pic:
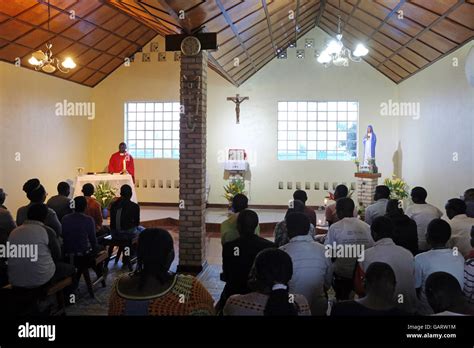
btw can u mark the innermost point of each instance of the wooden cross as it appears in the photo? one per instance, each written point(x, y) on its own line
point(237, 100)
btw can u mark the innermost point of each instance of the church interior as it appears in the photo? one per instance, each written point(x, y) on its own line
point(194, 121)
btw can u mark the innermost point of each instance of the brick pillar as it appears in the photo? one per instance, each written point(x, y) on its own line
point(366, 183)
point(192, 163)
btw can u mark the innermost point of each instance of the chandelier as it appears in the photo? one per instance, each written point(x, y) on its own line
point(336, 54)
point(44, 60)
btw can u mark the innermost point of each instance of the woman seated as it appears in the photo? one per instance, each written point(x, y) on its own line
point(152, 289)
point(269, 278)
point(380, 299)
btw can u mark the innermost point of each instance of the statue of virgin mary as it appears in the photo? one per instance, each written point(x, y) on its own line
point(370, 140)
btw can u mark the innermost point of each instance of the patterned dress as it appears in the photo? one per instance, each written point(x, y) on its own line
point(185, 296)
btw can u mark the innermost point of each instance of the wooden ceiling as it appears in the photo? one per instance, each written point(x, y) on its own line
point(403, 36)
point(99, 38)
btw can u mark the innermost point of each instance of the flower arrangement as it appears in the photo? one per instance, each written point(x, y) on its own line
point(398, 187)
point(234, 187)
point(104, 194)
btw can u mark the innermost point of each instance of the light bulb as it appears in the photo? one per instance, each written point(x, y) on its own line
point(324, 58)
point(34, 61)
point(68, 63)
point(334, 47)
point(360, 50)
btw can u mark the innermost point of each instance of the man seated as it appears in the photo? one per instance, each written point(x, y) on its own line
point(281, 232)
point(422, 213)
point(93, 207)
point(312, 270)
point(381, 196)
point(301, 195)
point(61, 203)
point(445, 296)
point(37, 194)
point(399, 259)
point(7, 224)
point(469, 273)
point(44, 267)
point(404, 229)
point(469, 200)
point(238, 256)
point(80, 242)
point(331, 216)
point(229, 231)
point(460, 224)
point(352, 232)
point(79, 230)
point(125, 215)
point(379, 300)
point(439, 259)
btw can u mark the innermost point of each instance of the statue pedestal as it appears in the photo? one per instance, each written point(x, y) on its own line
point(366, 183)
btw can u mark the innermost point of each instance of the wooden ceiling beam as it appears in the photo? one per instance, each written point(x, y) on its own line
point(386, 19)
point(269, 24)
point(235, 31)
point(322, 7)
point(439, 19)
point(354, 8)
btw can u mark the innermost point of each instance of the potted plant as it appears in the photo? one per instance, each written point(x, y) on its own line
point(234, 187)
point(105, 194)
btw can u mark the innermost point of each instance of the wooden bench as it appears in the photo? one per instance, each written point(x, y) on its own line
point(100, 260)
point(54, 289)
point(121, 244)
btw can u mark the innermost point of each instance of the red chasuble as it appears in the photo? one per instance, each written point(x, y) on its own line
point(119, 160)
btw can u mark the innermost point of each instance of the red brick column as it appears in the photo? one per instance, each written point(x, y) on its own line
point(192, 163)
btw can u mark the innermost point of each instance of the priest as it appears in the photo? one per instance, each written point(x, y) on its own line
point(122, 162)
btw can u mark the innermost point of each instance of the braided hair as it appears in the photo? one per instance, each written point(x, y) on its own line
point(273, 270)
point(154, 255)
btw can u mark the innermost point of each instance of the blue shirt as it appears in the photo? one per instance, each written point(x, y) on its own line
point(78, 233)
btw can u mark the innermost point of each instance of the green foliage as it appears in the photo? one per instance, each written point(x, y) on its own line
point(234, 187)
point(398, 187)
point(104, 194)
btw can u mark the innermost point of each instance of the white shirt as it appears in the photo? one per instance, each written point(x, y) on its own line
point(423, 214)
point(352, 231)
point(403, 264)
point(375, 210)
point(25, 272)
point(461, 233)
point(312, 270)
point(436, 260)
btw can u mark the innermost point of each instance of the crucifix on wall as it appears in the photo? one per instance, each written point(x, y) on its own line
point(237, 100)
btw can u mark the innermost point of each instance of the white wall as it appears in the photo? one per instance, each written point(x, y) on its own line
point(34, 142)
point(291, 79)
point(438, 148)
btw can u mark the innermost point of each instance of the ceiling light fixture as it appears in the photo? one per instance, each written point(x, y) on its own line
point(336, 54)
point(44, 60)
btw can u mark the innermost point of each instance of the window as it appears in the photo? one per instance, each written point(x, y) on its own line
point(152, 129)
point(310, 130)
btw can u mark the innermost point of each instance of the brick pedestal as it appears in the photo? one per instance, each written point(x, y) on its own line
point(366, 183)
point(192, 163)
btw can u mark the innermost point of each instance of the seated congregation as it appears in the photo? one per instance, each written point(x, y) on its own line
point(393, 262)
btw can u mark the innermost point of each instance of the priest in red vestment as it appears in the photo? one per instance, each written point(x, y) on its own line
point(122, 162)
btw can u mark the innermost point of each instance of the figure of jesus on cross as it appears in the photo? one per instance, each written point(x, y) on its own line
point(237, 100)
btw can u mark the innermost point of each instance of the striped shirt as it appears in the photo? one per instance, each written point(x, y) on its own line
point(469, 278)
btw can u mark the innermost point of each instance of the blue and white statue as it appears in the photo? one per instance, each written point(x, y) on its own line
point(370, 140)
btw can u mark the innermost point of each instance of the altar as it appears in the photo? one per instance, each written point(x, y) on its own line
point(115, 180)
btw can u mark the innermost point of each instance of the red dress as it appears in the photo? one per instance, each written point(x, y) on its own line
point(116, 163)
